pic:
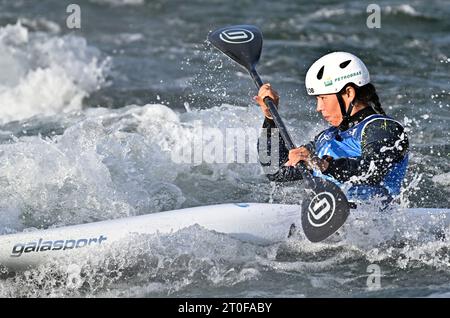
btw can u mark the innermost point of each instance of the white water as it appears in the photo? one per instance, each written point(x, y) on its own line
point(45, 74)
point(110, 164)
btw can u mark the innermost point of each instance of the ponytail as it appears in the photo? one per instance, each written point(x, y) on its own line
point(367, 94)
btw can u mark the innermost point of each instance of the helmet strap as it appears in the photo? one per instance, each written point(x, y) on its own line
point(345, 113)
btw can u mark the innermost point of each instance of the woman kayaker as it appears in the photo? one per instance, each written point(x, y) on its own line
point(363, 149)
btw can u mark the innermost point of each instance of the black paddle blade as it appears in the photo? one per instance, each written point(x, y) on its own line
point(242, 43)
point(324, 210)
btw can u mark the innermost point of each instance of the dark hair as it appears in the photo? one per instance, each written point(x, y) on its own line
point(367, 94)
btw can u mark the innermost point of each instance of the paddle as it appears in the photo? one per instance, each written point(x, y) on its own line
point(325, 208)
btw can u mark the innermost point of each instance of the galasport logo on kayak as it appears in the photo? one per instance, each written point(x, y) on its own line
point(237, 36)
point(50, 245)
point(321, 209)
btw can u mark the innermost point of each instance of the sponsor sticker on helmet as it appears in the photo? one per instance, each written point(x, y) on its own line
point(340, 78)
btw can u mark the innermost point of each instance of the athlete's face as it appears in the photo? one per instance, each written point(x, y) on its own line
point(328, 106)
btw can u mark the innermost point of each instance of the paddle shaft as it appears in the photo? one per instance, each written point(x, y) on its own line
point(280, 124)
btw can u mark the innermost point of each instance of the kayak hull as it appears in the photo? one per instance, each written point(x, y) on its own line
point(258, 223)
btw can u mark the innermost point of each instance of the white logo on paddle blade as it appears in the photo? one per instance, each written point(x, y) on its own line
point(321, 209)
point(236, 36)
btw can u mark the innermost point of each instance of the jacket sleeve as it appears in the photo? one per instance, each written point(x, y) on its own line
point(383, 143)
point(273, 154)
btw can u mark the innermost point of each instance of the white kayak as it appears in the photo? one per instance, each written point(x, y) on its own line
point(259, 223)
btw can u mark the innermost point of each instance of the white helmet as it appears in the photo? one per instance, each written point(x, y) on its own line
point(330, 73)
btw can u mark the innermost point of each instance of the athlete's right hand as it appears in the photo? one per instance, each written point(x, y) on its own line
point(266, 91)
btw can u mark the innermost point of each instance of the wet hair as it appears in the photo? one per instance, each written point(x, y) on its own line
point(366, 94)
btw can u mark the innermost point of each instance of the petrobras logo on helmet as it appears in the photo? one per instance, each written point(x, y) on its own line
point(237, 36)
point(321, 209)
point(344, 77)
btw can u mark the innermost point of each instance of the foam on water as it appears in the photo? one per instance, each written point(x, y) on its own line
point(442, 179)
point(45, 74)
point(110, 164)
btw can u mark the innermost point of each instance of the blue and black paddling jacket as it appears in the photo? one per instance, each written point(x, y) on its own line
point(368, 159)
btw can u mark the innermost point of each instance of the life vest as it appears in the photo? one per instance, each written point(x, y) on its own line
point(349, 146)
